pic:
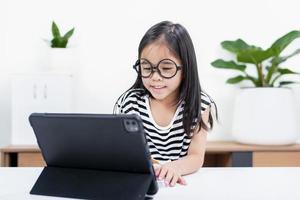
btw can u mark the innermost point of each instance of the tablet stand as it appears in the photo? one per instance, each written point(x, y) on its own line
point(91, 184)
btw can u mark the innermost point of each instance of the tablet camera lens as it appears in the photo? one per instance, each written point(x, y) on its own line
point(131, 125)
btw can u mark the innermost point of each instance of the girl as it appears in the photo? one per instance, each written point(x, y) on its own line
point(176, 113)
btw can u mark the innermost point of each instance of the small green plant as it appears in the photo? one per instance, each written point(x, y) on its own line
point(59, 41)
point(267, 62)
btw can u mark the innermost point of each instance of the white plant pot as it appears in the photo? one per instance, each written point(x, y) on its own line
point(265, 116)
point(63, 59)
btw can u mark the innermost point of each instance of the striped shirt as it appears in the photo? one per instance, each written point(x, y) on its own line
point(165, 143)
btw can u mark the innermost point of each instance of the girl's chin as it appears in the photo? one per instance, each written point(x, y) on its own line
point(160, 96)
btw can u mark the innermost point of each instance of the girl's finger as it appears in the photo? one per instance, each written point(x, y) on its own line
point(181, 181)
point(174, 180)
point(170, 174)
point(157, 171)
point(162, 173)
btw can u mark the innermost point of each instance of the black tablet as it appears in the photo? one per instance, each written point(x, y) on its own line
point(93, 156)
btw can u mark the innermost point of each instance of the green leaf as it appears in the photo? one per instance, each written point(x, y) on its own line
point(254, 55)
point(286, 71)
point(54, 42)
point(271, 71)
point(235, 80)
point(228, 65)
point(282, 72)
point(282, 83)
point(69, 34)
point(55, 30)
point(236, 46)
point(279, 45)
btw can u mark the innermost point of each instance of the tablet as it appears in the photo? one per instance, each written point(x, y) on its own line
point(105, 154)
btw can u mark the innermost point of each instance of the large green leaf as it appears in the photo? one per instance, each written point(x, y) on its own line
point(254, 55)
point(69, 34)
point(236, 46)
point(279, 45)
point(55, 30)
point(219, 63)
point(275, 64)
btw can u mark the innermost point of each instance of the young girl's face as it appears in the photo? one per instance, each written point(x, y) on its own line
point(159, 87)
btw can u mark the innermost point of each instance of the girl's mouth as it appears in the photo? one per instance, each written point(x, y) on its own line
point(157, 88)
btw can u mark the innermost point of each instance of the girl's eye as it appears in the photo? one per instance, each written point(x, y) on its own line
point(146, 68)
point(166, 68)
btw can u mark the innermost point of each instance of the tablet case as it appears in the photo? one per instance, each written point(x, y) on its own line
point(93, 156)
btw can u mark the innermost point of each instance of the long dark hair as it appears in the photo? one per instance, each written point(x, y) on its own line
point(179, 42)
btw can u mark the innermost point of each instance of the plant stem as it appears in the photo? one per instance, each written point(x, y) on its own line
point(260, 74)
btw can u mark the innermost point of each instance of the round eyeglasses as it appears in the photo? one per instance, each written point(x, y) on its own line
point(166, 68)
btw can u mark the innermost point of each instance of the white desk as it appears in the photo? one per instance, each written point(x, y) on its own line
point(207, 184)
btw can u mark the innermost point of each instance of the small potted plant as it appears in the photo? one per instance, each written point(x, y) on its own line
point(62, 55)
point(264, 113)
point(59, 41)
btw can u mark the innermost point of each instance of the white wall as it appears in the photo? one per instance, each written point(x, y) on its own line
point(4, 81)
point(108, 33)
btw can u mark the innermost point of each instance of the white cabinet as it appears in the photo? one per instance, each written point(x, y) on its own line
point(46, 92)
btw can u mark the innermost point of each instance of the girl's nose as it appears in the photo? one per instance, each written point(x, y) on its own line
point(156, 76)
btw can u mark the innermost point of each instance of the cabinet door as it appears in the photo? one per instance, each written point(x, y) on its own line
point(56, 94)
point(37, 93)
point(24, 102)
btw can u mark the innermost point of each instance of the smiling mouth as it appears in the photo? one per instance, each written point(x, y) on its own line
point(158, 87)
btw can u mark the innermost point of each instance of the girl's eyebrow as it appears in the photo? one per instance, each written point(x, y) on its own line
point(166, 59)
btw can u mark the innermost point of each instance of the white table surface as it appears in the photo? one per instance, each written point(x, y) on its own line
point(206, 184)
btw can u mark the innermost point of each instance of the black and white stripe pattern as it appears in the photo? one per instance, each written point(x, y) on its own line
point(165, 143)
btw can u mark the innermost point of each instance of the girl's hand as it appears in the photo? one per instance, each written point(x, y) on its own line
point(170, 174)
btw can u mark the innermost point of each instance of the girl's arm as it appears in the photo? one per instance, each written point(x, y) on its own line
point(172, 172)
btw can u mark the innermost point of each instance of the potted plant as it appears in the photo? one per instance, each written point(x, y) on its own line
point(264, 113)
point(61, 54)
point(59, 41)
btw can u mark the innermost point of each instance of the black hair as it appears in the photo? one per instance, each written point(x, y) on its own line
point(179, 42)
